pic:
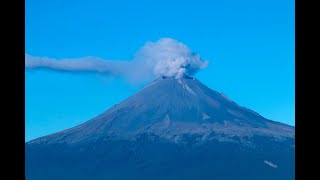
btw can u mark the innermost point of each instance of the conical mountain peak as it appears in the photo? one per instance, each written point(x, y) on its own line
point(170, 123)
point(169, 107)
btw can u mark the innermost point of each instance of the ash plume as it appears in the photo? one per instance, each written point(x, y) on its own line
point(165, 57)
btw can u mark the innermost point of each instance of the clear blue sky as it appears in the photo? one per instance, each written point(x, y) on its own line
point(249, 43)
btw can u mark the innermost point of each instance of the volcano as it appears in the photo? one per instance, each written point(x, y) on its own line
point(172, 129)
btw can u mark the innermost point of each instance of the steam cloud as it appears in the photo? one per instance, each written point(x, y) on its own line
point(166, 57)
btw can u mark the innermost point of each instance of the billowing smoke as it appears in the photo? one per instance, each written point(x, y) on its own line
point(166, 57)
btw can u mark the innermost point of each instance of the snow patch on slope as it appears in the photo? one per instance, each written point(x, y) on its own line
point(167, 120)
point(205, 116)
point(270, 164)
point(185, 86)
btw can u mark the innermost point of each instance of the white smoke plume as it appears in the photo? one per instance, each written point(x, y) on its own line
point(166, 57)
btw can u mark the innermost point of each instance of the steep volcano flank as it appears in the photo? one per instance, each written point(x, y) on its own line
point(170, 107)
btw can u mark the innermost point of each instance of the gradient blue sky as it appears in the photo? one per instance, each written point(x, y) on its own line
point(249, 43)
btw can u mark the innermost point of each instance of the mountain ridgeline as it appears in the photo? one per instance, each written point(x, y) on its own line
point(172, 129)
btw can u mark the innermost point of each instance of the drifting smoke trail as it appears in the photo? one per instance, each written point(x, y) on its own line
point(166, 57)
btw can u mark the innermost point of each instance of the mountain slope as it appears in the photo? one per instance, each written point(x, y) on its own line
point(176, 125)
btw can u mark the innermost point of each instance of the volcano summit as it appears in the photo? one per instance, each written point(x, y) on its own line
point(172, 129)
